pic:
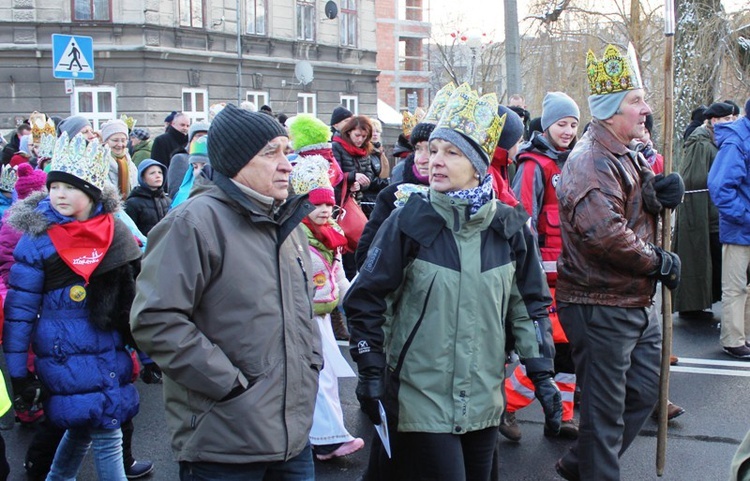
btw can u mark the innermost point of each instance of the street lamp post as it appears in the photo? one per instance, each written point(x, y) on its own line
point(474, 41)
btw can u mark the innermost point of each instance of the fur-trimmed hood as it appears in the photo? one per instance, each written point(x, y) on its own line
point(34, 214)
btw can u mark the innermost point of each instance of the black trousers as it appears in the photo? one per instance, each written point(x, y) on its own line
point(434, 457)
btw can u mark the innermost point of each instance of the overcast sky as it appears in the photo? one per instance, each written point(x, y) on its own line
point(484, 16)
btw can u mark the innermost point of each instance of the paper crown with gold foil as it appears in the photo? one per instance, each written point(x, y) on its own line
point(474, 116)
point(615, 72)
point(438, 104)
point(310, 176)
point(129, 121)
point(79, 158)
point(8, 178)
point(40, 125)
point(47, 146)
point(408, 121)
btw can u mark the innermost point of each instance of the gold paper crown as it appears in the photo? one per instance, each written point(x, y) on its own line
point(129, 121)
point(438, 104)
point(310, 173)
point(40, 125)
point(8, 178)
point(475, 117)
point(87, 161)
point(47, 146)
point(614, 73)
point(408, 121)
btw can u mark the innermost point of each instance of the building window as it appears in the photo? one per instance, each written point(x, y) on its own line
point(305, 20)
point(97, 104)
point(349, 23)
point(92, 10)
point(411, 10)
point(351, 102)
point(195, 104)
point(410, 54)
point(259, 99)
point(191, 13)
point(256, 17)
point(307, 104)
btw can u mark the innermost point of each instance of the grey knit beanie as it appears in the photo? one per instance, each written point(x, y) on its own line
point(471, 150)
point(604, 106)
point(72, 125)
point(512, 130)
point(197, 127)
point(237, 135)
point(112, 127)
point(556, 106)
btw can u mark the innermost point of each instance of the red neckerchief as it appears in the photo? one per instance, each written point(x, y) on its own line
point(499, 171)
point(335, 175)
point(82, 245)
point(350, 148)
point(327, 234)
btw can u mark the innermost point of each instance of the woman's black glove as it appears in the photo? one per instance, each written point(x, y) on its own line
point(370, 390)
point(548, 394)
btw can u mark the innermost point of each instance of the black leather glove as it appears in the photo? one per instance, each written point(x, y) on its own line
point(548, 394)
point(27, 392)
point(669, 190)
point(370, 389)
point(669, 269)
point(151, 374)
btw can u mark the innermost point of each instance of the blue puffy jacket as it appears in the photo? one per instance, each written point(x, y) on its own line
point(85, 369)
point(729, 181)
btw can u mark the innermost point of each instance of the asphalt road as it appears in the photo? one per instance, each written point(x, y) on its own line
point(712, 387)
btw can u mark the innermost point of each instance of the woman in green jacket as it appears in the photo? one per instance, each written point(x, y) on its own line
point(429, 309)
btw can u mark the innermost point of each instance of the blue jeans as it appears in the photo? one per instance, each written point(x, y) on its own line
point(107, 444)
point(299, 468)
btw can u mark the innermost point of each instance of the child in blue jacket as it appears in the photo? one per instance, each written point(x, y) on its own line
point(69, 295)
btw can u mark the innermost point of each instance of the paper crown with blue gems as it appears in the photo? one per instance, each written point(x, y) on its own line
point(86, 161)
point(47, 146)
point(8, 178)
point(614, 73)
point(473, 116)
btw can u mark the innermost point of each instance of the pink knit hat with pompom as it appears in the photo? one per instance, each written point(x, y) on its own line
point(29, 180)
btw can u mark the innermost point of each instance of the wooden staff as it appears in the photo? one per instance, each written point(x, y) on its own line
point(661, 437)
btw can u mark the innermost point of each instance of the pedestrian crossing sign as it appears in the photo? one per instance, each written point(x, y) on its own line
point(72, 57)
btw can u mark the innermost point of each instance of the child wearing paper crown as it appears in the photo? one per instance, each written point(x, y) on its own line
point(69, 295)
point(329, 437)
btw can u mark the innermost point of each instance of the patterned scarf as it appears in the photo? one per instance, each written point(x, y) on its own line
point(478, 196)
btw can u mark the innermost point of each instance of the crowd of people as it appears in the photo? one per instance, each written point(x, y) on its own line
point(492, 236)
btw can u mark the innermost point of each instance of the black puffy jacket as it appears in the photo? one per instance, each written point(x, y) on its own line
point(147, 207)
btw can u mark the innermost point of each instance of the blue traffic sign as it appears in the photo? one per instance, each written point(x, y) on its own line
point(72, 57)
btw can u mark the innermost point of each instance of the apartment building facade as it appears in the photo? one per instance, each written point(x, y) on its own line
point(155, 56)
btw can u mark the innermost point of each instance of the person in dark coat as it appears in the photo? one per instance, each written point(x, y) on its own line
point(180, 163)
point(147, 203)
point(415, 179)
point(696, 231)
point(175, 137)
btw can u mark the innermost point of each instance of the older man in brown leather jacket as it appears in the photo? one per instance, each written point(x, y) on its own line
point(609, 207)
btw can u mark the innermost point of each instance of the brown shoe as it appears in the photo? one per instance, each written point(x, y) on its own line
point(509, 427)
point(673, 360)
point(673, 411)
point(340, 332)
